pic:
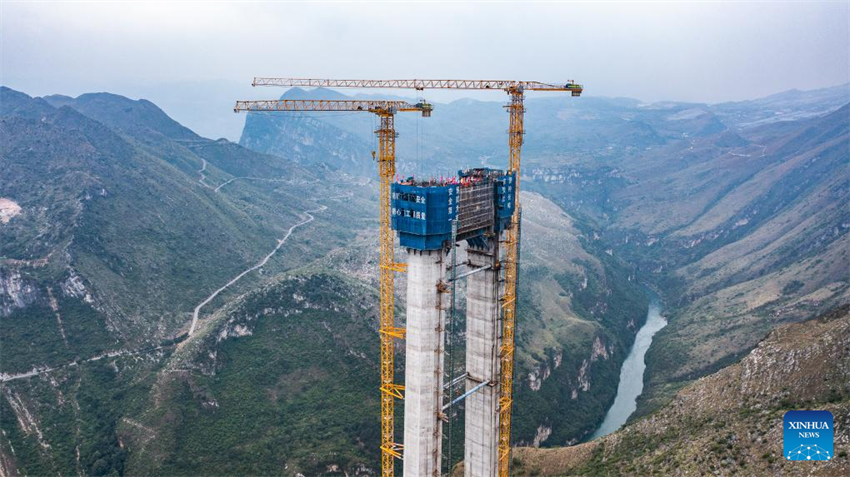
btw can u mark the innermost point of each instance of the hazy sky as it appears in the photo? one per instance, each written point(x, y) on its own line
point(692, 51)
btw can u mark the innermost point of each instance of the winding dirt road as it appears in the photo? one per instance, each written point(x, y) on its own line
point(108, 354)
point(259, 264)
point(249, 179)
point(36, 371)
point(203, 176)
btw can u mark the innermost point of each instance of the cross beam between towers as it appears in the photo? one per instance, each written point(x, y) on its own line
point(467, 394)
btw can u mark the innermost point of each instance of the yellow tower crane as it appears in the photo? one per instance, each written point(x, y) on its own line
point(516, 90)
point(388, 330)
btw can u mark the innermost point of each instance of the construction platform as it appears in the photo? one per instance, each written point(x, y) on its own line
point(481, 200)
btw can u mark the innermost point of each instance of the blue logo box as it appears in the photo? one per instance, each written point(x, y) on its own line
point(807, 435)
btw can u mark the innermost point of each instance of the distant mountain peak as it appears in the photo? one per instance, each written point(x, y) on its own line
point(123, 113)
point(317, 93)
point(16, 103)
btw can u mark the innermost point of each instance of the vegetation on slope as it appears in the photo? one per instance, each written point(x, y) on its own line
point(121, 234)
point(286, 384)
point(115, 216)
point(730, 422)
point(580, 311)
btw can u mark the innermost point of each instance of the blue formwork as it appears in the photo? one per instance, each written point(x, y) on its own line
point(423, 215)
point(505, 188)
point(481, 200)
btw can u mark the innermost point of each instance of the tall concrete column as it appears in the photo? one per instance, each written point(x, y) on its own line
point(482, 364)
point(423, 378)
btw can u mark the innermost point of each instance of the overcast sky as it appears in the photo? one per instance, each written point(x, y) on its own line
point(706, 52)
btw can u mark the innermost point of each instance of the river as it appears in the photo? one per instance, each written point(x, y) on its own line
point(631, 374)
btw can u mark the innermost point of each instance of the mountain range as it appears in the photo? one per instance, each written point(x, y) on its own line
point(179, 305)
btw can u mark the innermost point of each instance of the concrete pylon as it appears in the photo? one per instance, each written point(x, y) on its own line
point(423, 378)
point(482, 363)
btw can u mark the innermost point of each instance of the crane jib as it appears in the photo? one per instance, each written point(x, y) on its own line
point(308, 105)
point(421, 84)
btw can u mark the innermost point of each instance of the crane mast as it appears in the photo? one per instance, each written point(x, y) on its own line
point(516, 110)
point(516, 91)
point(385, 110)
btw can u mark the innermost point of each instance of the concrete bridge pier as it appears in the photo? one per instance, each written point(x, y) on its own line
point(423, 378)
point(482, 363)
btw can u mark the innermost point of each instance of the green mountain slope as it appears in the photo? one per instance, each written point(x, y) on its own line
point(580, 312)
point(121, 207)
point(121, 235)
point(286, 383)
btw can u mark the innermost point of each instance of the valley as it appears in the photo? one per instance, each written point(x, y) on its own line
point(632, 373)
point(179, 305)
point(729, 422)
